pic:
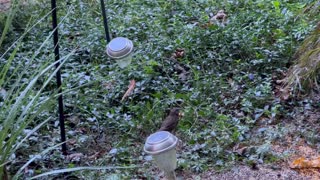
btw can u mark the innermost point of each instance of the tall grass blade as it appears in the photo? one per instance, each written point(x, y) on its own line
point(59, 171)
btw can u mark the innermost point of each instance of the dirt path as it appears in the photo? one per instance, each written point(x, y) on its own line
point(4, 5)
point(261, 173)
point(241, 172)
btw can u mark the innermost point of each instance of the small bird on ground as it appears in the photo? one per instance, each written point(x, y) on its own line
point(171, 121)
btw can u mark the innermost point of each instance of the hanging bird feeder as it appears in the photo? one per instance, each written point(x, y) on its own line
point(120, 49)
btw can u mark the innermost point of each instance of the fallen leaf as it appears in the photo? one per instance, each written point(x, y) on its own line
point(131, 87)
point(220, 18)
point(240, 149)
point(97, 155)
point(72, 141)
point(305, 163)
point(285, 94)
point(179, 53)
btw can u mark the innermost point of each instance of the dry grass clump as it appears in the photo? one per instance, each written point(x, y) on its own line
point(303, 76)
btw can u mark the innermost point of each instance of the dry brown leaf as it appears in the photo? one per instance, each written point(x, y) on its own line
point(179, 53)
point(131, 87)
point(305, 163)
point(240, 149)
point(72, 141)
point(97, 155)
point(219, 19)
point(285, 94)
point(221, 15)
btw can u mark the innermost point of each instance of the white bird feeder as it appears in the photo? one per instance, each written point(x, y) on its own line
point(120, 49)
point(161, 145)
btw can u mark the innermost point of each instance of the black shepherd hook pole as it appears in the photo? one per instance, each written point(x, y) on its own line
point(58, 75)
point(105, 21)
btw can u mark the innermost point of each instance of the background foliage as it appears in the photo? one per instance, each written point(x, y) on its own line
point(226, 92)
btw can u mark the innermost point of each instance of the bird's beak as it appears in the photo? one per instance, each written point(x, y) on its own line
point(181, 114)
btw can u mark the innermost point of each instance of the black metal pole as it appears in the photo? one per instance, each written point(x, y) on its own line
point(58, 75)
point(105, 21)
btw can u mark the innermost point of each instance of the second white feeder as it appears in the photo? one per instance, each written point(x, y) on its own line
point(120, 49)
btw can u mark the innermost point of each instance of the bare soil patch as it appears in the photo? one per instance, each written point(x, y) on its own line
point(4, 5)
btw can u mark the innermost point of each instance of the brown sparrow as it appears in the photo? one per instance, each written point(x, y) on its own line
point(171, 121)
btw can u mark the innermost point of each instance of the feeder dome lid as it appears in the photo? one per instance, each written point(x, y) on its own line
point(119, 48)
point(159, 142)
